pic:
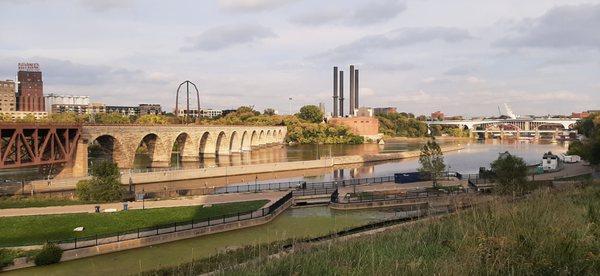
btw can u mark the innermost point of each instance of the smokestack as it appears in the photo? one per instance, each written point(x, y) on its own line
point(341, 93)
point(335, 91)
point(351, 73)
point(356, 89)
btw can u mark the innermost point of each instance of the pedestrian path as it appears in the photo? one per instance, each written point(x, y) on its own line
point(272, 196)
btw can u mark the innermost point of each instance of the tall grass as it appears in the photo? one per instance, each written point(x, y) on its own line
point(548, 233)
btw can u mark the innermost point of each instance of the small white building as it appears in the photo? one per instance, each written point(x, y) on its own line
point(551, 162)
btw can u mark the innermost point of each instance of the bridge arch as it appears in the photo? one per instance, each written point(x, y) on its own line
point(185, 145)
point(268, 137)
point(108, 147)
point(157, 148)
point(235, 143)
point(246, 141)
point(254, 139)
point(207, 145)
point(222, 145)
point(261, 138)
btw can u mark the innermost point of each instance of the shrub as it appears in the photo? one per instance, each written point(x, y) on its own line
point(6, 257)
point(50, 254)
point(105, 185)
point(83, 190)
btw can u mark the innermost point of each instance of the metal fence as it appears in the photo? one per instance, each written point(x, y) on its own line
point(94, 240)
point(279, 186)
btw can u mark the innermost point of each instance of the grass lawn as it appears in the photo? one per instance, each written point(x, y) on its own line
point(28, 230)
point(548, 233)
point(28, 202)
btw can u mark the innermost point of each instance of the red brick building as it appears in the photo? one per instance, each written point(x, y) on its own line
point(437, 116)
point(364, 126)
point(30, 94)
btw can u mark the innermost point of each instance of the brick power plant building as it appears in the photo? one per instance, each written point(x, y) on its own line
point(358, 122)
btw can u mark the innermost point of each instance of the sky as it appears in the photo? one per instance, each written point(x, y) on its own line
point(462, 57)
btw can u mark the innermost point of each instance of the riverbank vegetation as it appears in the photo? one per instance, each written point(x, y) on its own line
point(28, 230)
point(306, 127)
point(401, 124)
point(547, 233)
point(589, 148)
point(105, 185)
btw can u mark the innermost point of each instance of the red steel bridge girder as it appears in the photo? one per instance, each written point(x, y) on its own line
point(24, 145)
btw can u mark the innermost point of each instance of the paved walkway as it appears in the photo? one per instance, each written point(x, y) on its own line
point(574, 169)
point(272, 196)
point(391, 186)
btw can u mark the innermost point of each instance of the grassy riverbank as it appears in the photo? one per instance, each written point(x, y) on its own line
point(548, 233)
point(28, 230)
point(30, 202)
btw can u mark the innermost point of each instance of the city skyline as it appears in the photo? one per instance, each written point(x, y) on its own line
point(418, 56)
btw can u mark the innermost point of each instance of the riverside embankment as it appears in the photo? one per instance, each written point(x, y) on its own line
point(199, 173)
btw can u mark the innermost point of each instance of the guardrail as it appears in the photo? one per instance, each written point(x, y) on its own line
point(94, 240)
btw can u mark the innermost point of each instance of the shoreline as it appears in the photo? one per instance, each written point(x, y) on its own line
point(69, 184)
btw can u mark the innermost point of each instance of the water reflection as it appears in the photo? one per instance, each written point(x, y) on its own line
point(468, 160)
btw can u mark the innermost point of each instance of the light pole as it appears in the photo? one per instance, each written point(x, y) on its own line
point(290, 105)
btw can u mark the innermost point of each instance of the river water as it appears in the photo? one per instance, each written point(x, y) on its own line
point(475, 154)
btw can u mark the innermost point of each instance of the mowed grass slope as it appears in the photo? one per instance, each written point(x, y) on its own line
point(27, 230)
point(549, 233)
point(30, 202)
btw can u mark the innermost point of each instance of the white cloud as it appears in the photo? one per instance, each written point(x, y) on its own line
point(222, 37)
point(370, 13)
point(252, 5)
point(560, 27)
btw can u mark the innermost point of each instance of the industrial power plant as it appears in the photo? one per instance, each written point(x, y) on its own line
point(338, 92)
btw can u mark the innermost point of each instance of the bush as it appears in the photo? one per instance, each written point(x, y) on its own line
point(105, 185)
point(82, 190)
point(50, 254)
point(6, 257)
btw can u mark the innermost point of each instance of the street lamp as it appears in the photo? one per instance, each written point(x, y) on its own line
point(290, 105)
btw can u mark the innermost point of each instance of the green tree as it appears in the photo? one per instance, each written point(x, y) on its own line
point(5, 118)
point(151, 119)
point(269, 112)
point(105, 185)
point(432, 161)
point(311, 113)
point(588, 149)
point(111, 118)
point(510, 174)
point(29, 118)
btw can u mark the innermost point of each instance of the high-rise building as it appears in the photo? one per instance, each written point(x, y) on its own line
point(8, 101)
point(30, 93)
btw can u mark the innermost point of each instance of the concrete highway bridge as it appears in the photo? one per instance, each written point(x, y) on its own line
point(20, 145)
point(513, 127)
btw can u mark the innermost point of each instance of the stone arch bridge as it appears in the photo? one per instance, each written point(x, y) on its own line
point(193, 142)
